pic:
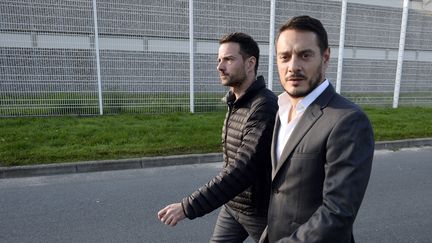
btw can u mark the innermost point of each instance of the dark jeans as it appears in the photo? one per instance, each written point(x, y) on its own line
point(232, 226)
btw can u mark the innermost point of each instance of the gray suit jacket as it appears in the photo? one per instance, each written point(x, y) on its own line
point(320, 180)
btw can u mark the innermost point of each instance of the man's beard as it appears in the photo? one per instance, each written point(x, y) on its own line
point(234, 80)
point(313, 84)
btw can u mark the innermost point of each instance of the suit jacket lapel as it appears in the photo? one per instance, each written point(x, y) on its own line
point(274, 143)
point(309, 117)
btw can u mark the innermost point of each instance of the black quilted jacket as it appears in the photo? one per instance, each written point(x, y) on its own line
point(244, 182)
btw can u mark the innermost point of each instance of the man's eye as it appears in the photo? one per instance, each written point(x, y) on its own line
point(306, 55)
point(283, 58)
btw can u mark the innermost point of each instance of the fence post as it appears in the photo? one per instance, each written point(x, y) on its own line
point(341, 46)
point(191, 57)
point(400, 54)
point(271, 44)
point(96, 42)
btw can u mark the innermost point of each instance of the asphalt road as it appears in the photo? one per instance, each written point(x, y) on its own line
point(121, 206)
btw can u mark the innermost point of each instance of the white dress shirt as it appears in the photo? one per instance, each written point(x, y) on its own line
point(286, 128)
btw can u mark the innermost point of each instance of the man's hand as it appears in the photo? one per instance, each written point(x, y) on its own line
point(171, 214)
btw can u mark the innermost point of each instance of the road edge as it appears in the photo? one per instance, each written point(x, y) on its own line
point(149, 162)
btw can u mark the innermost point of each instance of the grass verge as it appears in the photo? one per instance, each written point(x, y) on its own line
point(40, 140)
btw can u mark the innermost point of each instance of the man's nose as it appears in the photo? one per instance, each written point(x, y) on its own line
point(220, 66)
point(294, 64)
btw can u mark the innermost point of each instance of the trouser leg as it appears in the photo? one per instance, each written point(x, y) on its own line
point(254, 225)
point(227, 228)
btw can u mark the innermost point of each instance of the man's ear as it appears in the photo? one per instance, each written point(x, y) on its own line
point(251, 63)
point(326, 56)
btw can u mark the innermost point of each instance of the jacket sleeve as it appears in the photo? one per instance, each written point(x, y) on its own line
point(237, 176)
point(349, 154)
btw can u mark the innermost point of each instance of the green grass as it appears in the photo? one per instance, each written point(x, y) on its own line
point(400, 123)
point(61, 139)
point(40, 140)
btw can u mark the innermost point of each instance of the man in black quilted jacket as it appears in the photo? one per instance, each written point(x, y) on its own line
point(242, 187)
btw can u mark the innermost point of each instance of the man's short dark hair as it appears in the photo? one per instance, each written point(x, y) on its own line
point(248, 46)
point(307, 23)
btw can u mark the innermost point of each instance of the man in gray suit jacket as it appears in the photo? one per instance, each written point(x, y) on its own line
point(322, 146)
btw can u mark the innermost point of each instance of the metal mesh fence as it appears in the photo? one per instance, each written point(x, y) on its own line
point(47, 60)
point(49, 50)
